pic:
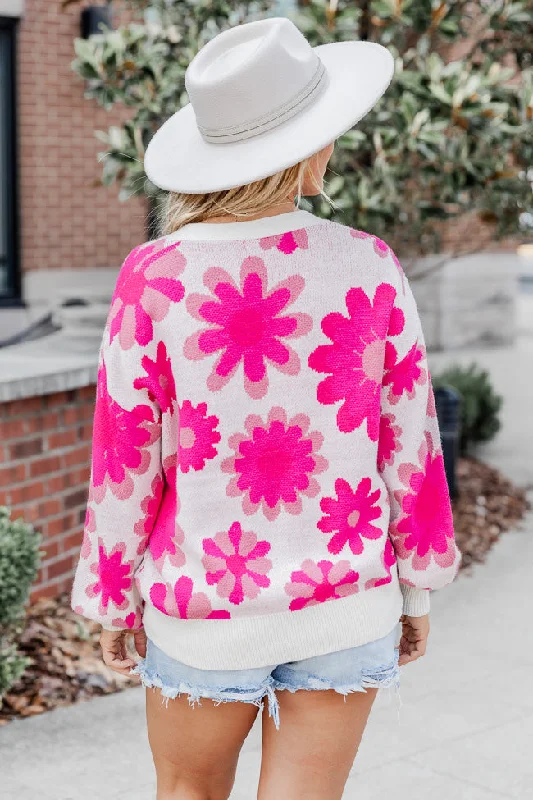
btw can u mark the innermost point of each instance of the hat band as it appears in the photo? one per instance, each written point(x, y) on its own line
point(237, 133)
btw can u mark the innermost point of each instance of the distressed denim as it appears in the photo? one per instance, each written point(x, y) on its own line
point(372, 665)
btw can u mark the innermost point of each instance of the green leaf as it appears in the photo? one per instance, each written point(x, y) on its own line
point(428, 150)
point(438, 91)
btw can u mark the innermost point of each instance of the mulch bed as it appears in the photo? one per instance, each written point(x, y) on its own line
point(66, 665)
point(488, 505)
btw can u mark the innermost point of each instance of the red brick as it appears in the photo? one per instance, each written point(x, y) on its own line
point(43, 466)
point(10, 476)
point(72, 415)
point(77, 456)
point(50, 548)
point(76, 498)
point(87, 392)
point(49, 508)
point(56, 125)
point(57, 483)
point(27, 512)
point(66, 584)
point(85, 433)
point(73, 540)
point(57, 399)
point(87, 413)
point(41, 576)
point(18, 408)
point(82, 474)
point(50, 590)
point(23, 494)
point(76, 476)
point(42, 422)
point(59, 568)
point(55, 527)
point(12, 429)
point(26, 448)
point(60, 439)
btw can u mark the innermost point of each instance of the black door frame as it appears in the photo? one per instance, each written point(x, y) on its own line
point(12, 295)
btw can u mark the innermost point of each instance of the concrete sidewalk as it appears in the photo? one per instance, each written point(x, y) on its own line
point(465, 730)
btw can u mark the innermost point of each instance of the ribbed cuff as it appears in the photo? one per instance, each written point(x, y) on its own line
point(415, 601)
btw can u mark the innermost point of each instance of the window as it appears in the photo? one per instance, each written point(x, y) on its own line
point(9, 264)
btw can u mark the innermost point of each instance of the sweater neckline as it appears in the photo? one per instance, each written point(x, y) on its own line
point(250, 229)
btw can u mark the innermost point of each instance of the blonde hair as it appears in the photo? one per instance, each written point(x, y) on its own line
point(243, 201)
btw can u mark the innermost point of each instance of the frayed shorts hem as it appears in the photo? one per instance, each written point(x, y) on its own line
point(382, 678)
point(245, 694)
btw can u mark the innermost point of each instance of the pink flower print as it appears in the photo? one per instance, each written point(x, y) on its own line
point(183, 602)
point(159, 380)
point(388, 559)
point(399, 268)
point(402, 376)
point(424, 529)
point(236, 562)
point(198, 437)
point(146, 287)
point(316, 583)
point(88, 528)
point(150, 508)
point(286, 242)
point(132, 622)
point(166, 536)
point(120, 443)
point(275, 463)
point(431, 410)
point(114, 577)
point(245, 323)
point(350, 516)
point(356, 356)
point(382, 249)
point(389, 441)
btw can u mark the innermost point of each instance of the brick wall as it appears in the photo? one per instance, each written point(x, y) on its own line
point(45, 446)
point(67, 219)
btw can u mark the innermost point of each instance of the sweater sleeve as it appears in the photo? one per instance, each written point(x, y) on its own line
point(126, 484)
point(411, 462)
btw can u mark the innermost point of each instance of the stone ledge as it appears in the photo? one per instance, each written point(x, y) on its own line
point(52, 364)
point(11, 8)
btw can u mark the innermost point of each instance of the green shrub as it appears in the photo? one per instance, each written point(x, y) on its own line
point(19, 561)
point(480, 405)
point(446, 140)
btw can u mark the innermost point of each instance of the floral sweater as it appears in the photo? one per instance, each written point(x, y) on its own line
point(267, 476)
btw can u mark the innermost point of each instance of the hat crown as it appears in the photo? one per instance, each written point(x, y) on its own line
point(249, 76)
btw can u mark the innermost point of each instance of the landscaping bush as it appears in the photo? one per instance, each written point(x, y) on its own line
point(19, 561)
point(449, 140)
point(480, 405)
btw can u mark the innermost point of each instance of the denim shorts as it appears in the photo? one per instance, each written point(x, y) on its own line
point(372, 665)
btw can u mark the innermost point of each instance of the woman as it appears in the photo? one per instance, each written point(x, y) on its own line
point(268, 496)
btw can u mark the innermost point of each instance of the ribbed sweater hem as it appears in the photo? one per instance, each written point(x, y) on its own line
point(272, 639)
point(416, 602)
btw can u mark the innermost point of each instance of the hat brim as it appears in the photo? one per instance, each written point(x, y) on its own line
point(178, 158)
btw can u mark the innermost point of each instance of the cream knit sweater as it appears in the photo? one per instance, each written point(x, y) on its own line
point(267, 480)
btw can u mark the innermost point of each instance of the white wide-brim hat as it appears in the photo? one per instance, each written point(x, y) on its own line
point(261, 100)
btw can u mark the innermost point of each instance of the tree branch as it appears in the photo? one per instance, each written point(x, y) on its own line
point(366, 20)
